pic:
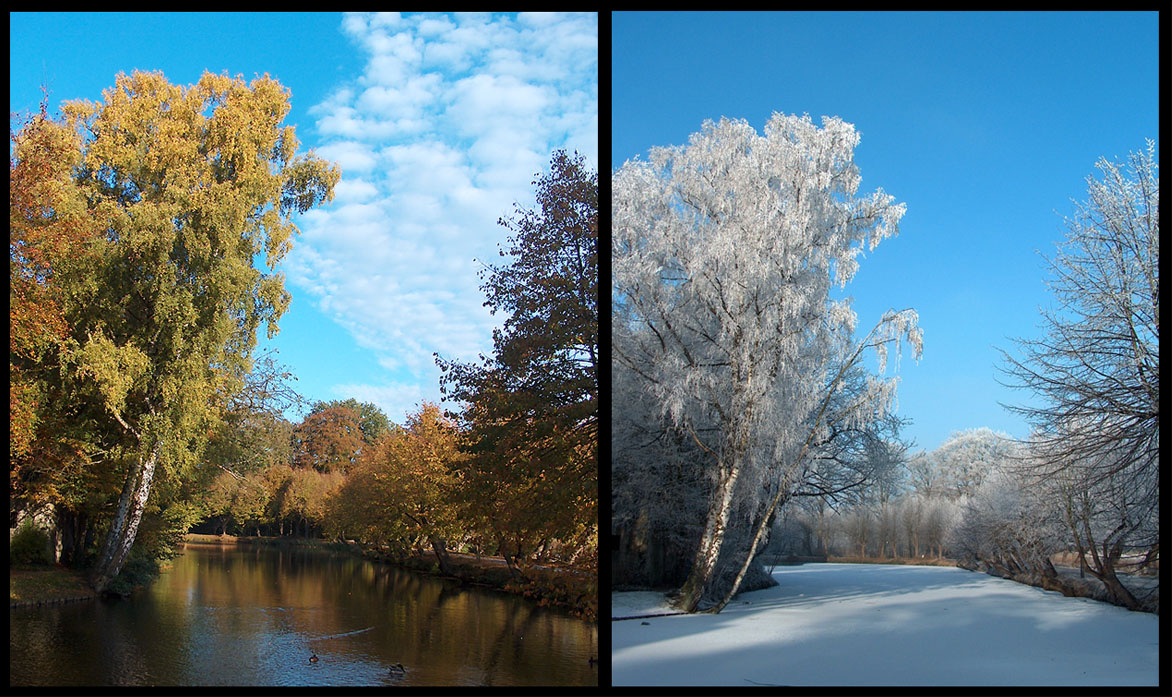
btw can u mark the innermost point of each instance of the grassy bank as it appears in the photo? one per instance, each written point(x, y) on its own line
point(40, 585)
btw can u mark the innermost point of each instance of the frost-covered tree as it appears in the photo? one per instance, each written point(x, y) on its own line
point(856, 459)
point(1114, 522)
point(1096, 373)
point(964, 459)
point(725, 252)
point(658, 489)
point(1006, 525)
point(911, 516)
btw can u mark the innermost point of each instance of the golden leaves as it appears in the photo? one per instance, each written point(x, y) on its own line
point(116, 369)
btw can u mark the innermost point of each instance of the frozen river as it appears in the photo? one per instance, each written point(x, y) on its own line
point(863, 624)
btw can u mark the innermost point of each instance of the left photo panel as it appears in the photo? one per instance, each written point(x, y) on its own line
point(304, 346)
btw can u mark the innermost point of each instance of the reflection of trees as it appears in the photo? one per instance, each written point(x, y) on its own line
point(39, 632)
point(235, 615)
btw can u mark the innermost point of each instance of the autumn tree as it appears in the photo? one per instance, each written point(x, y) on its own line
point(533, 426)
point(509, 493)
point(50, 232)
point(334, 434)
point(412, 475)
point(724, 255)
point(372, 421)
point(185, 185)
point(235, 499)
point(328, 440)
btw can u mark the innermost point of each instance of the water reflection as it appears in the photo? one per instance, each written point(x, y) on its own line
point(255, 615)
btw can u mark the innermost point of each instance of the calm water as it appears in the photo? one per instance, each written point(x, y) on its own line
point(254, 616)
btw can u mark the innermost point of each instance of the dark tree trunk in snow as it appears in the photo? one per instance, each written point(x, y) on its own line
point(1104, 570)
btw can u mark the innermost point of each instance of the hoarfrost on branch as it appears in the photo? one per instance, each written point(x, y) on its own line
point(724, 254)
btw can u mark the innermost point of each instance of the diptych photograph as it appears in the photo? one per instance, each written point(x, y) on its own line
point(329, 367)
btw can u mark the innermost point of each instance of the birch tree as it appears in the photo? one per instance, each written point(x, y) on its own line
point(186, 186)
point(725, 252)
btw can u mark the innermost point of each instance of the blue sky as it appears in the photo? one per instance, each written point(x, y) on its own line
point(986, 125)
point(439, 123)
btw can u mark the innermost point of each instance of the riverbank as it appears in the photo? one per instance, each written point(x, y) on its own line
point(46, 585)
point(568, 589)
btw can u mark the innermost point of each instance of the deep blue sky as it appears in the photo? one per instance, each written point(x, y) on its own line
point(439, 123)
point(986, 125)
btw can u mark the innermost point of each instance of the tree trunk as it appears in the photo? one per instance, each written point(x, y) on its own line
point(72, 527)
point(124, 527)
point(1105, 572)
point(708, 552)
point(779, 499)
point(439, 546)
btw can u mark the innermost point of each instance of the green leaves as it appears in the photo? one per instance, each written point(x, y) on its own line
point(175, 188)
point(116, 369)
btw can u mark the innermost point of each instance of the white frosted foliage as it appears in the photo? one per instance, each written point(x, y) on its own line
point(725, 251)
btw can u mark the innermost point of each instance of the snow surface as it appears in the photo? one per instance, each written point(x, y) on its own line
point(878, 624)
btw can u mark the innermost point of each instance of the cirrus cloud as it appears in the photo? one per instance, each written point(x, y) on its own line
point(438, 137)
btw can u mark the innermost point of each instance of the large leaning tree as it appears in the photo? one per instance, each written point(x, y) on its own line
point(725, 254)
point(1096, 372)
point(186, 186)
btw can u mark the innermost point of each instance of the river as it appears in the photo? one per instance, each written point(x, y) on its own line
point(255, 615)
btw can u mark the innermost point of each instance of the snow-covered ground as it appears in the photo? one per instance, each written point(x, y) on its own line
point(873, 624)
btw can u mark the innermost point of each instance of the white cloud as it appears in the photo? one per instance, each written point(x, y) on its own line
point(354, 189)
point(350, 156)
point(396, 399)
point(443, 131)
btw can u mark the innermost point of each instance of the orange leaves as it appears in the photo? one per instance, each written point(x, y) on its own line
point(328, 440)
point(47, 228)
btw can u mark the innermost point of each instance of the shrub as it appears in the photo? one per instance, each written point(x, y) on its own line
point(138, 571)
point(30, 545)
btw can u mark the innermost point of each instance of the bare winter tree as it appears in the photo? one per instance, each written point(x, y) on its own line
point(1097, 371)
point(724, 254)
point(1109, 517)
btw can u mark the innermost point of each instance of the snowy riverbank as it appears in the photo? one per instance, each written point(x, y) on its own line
point(853, 624)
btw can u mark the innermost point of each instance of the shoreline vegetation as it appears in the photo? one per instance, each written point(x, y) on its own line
point(566, 589)
point(1067, 581)
point(551, 586)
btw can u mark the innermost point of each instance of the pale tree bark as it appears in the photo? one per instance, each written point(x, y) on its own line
point(705, 561)
point(704, 564)
point(127, 517)
point(886, 331)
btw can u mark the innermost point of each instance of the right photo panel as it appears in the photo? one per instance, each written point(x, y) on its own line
point(885, 349)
